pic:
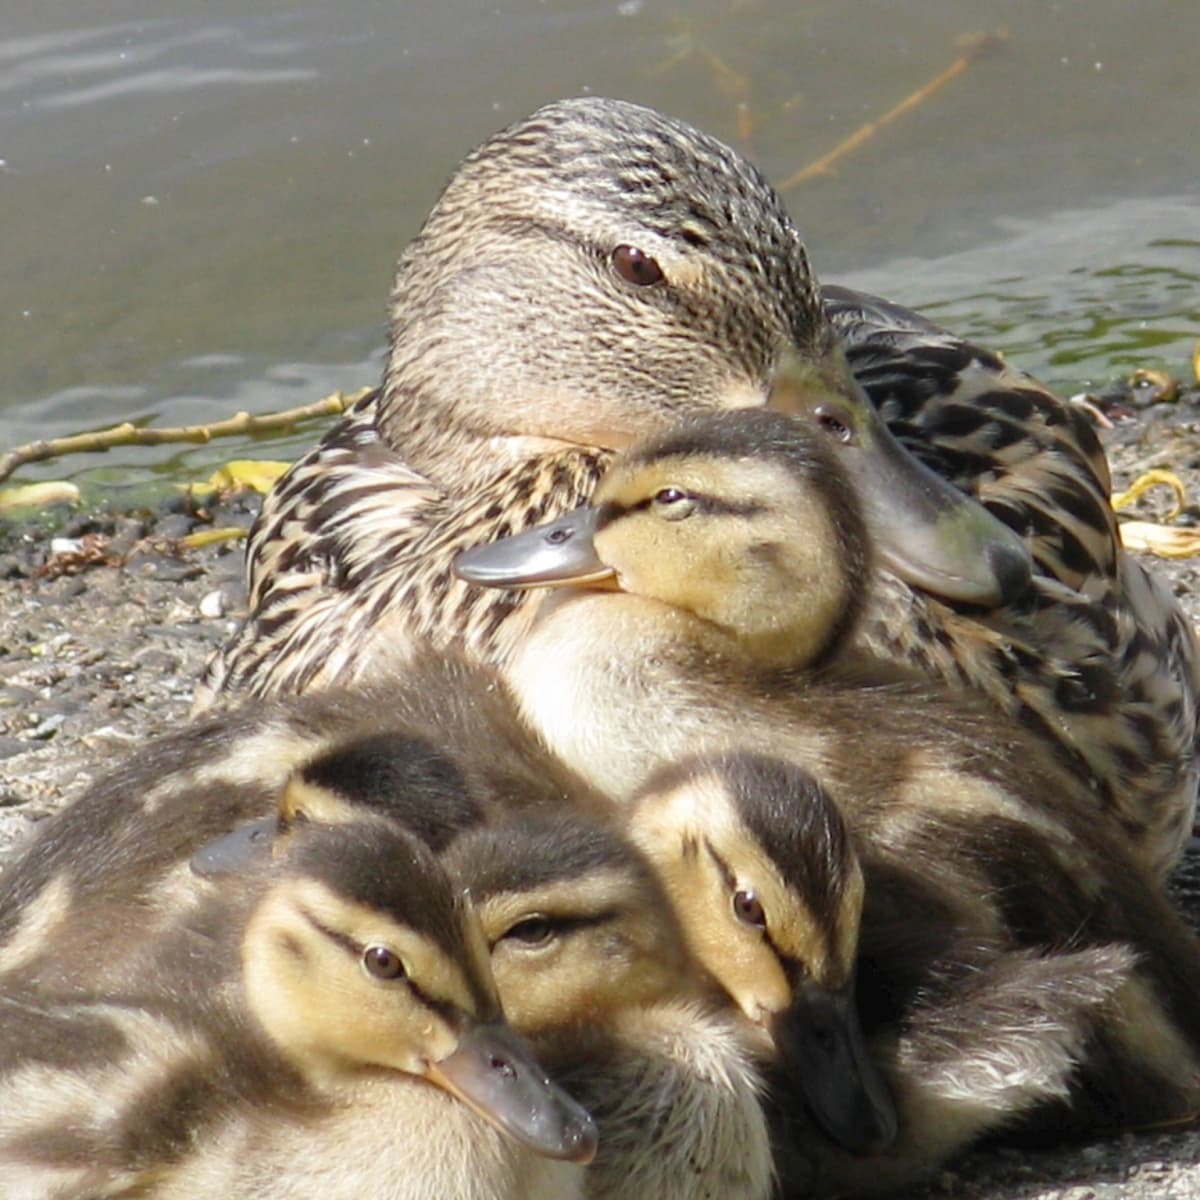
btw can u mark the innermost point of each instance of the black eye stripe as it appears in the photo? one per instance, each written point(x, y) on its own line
point(613, 510)
point(565, 926)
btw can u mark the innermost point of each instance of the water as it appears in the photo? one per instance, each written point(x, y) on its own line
point(202, 204)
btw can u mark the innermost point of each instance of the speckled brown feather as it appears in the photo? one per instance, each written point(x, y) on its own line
point(349, 561)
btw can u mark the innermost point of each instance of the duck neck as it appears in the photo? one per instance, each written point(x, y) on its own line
point(462, 460)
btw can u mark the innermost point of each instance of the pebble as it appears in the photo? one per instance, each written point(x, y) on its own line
point(49, 727)
point(213, 604)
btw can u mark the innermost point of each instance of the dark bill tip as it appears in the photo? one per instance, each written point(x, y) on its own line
point(494, 1073)
point(825, 1056)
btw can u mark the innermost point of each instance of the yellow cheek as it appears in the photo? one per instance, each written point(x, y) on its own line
point(749, 970)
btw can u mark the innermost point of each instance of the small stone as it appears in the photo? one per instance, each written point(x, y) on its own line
point(65, 545)
point(213, 605)
point(176, 525)
point(168, 570)
point(48, 728)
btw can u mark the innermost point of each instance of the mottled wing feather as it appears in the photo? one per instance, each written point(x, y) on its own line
point(1097, 656)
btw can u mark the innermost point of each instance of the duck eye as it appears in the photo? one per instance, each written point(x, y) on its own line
point(748, 909)
point(383, 963)
point(532, 932)
point(835, 425)
point(673, 503)
point(636, 266)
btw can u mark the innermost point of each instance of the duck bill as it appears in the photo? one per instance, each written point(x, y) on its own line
point(493, 1073)
point(925, 530)
point(246, 847)
point(825, 1056)
point(559, 553)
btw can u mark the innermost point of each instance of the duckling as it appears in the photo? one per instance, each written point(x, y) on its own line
point(436, 753)
point(707, 598)
point(620, 1005)
point(760, 869)
point(672, 281)
point(219, 1061)
point(972, 1037)
point(722, 536)
point(592, 969)
point(795, 988)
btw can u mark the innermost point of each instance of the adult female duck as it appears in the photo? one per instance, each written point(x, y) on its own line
point(597, 271)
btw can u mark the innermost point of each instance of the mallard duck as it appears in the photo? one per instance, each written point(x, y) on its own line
point(213, 1057)
point(667, 279)
point(1097, 657)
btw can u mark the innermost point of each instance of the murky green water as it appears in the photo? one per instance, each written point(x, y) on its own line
point(201, 208)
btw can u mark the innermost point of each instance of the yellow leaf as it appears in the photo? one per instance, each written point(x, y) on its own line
point(1166, 541)
point(1156, 478)
point(210, 537)
point(240, 474)
point(38, 494)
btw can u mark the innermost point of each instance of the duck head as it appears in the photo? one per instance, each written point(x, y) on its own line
point(760, 869)
point(598, 271)
point(744, 520)
point(579, 929)
point(363, 954)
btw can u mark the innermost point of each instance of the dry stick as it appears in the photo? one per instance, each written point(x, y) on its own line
point(128, 434)
point(824, 165)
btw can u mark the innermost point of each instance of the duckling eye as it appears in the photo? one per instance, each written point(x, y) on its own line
point(383, 963)
point(636, 266)
point(834, 425)
point(673, 504)
point(532, 932)
point(748, 909)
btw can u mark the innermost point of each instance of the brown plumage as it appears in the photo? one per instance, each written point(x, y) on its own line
point(981, 858)
point(521, 358)
point(205, 1051)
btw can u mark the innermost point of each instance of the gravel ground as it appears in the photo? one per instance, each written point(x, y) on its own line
point(102, 637)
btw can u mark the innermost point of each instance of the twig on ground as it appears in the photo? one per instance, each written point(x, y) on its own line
point(128, 434)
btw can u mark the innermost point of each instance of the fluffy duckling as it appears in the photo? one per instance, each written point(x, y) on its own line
point(762, 874)
point(671, 281)
point(221, 1062)
point(436, 752)
point(592, 969)
point(707, 597)
point(792, 978)
point(722, 534)
point(972, 1036)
